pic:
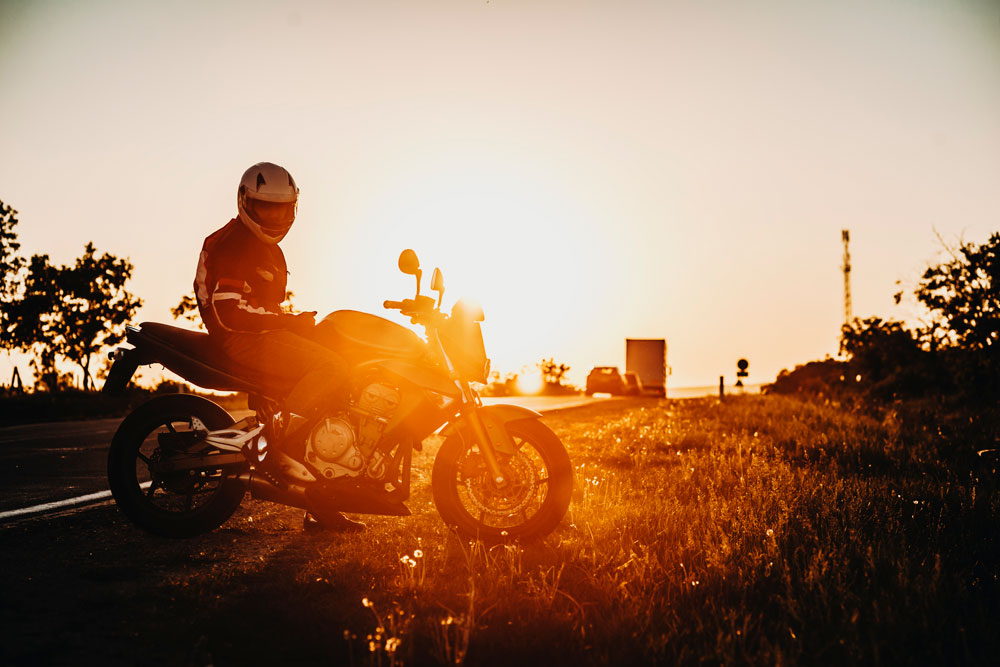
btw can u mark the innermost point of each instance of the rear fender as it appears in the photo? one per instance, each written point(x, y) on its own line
point(126, 361)
point(494, 417)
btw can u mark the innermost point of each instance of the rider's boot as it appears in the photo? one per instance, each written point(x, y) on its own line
point(278, 467)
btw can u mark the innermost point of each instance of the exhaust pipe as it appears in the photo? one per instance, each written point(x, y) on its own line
point(262, 489)
point(321, 498)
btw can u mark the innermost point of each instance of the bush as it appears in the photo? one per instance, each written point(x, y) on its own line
point(955, 357)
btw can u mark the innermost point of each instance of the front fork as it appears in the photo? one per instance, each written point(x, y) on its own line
point(471, 411)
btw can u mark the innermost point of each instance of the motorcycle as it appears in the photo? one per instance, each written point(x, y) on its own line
point(180, 465)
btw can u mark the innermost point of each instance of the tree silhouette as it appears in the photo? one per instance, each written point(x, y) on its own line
point(12, 263)
point(70, 311)
point(95, 306)
point(552, 372)
point(963, 296)
point(187, 309)
point(27, 327)
point(878, 347)
point(957, 352)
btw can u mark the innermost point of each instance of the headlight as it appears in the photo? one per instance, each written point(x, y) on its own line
point(463, 341)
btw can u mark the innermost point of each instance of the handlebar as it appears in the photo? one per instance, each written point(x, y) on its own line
point(419, 308)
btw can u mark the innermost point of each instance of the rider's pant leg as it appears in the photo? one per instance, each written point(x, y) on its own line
point(319, 373)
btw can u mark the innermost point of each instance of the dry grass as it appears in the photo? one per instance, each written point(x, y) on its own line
point(762, 530)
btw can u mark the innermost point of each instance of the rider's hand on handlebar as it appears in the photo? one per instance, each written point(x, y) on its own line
point(302, 322)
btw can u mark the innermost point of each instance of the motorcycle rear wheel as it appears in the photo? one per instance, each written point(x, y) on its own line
point(175, 504)
point(528, 505)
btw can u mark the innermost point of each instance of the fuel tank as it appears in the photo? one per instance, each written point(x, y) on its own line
point(359, 336)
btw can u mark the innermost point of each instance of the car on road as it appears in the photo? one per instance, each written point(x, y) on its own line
point(633, 385)
point(605, 380)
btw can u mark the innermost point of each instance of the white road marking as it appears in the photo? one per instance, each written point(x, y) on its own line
point(59, 504)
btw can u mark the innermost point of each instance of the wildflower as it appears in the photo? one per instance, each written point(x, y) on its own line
point(770, 532)
point(418, 554)
point(391, 644)
point(366, 602)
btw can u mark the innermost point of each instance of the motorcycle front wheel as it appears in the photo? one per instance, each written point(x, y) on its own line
point(528, 504)
point(172, 503)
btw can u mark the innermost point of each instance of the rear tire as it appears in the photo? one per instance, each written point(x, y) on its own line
point(531, 504)
point(166, 504)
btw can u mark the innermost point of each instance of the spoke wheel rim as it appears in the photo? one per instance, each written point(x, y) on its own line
point(517, 501)
point(172, 493)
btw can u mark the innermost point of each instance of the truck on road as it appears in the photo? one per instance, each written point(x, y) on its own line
point(647, 358)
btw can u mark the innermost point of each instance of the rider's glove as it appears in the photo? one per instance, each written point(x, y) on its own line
point(301, 322)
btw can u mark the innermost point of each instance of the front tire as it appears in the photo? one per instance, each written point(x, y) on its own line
point(173, 504)
point(533, 499)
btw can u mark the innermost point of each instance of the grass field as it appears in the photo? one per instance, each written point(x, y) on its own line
point(761, 529)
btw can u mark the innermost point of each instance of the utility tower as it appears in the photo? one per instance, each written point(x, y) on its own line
point(845, 235)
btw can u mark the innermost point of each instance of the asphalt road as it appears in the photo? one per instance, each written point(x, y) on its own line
point(64, 463)
point(41, 463)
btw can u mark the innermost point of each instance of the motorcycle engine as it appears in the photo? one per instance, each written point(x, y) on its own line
point(375, 408)
point(331, 448)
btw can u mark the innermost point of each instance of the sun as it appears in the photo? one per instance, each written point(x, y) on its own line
point(513, 239)
point(530, 382)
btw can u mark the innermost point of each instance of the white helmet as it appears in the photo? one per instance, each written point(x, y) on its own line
point(267, 200)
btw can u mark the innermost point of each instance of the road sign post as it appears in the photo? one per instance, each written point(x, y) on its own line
point(742, 365)
point(16, 386)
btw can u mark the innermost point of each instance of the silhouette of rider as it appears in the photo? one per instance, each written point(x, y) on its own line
point(240, 285)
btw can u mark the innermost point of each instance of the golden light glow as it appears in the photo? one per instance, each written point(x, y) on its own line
point(515, 241)
point(530, 382)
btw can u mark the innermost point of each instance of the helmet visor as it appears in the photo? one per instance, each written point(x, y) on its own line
point(273, 217)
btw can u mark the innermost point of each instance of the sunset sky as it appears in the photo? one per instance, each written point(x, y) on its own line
point(588, 171)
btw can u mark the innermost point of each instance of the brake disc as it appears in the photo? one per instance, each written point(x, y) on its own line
point(521, 484)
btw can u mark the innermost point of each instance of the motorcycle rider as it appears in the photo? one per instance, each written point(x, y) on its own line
point(240, 285)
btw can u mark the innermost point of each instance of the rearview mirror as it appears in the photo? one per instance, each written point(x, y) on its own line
point(408, 262)
point(410, 265)
point(437, 284)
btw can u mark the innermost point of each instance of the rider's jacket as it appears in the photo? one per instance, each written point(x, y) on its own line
point(240, 282)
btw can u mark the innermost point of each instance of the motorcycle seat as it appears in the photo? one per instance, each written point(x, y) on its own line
point(198, 358)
